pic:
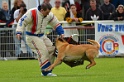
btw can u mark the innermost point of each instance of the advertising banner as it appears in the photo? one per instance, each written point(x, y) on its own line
point(110, 35)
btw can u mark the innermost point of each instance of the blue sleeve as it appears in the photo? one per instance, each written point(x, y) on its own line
point(59, 30)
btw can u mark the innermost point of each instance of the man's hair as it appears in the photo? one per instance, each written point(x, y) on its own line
point(92, 0)
point(119, 7)
point(72, 5)
point(44, 6)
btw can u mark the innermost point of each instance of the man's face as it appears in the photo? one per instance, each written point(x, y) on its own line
point(46, 1)
point(57, 3)
point(73, 8)
point(5, 7)
point(92, 4)
point(46, 12)
point(106, 1)
point(120, 10)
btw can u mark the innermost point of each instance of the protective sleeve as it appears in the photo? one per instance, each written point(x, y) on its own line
point(59, 30)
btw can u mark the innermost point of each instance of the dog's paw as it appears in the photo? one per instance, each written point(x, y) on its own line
point(43, 70)
point(87, 67)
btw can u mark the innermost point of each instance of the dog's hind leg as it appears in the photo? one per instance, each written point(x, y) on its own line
point(92, 63)
point(90, 57)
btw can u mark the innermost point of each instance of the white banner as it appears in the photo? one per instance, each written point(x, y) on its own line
point(110, 35)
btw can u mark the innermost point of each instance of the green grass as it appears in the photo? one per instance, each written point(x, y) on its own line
point(106, 70)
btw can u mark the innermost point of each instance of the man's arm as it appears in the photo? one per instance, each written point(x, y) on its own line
point(56, 25)
point(22, 23)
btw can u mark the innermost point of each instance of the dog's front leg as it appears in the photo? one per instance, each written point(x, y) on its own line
point(56, 62)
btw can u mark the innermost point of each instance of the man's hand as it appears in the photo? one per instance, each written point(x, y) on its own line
point(76, 19)
point(18, 36)
point(62, 35)
point(120, 18)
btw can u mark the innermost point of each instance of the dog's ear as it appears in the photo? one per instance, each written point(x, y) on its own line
point(61, 39)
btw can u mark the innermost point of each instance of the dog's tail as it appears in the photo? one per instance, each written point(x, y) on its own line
point(94, 43)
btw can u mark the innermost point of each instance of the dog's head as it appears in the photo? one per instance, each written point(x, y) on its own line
point(60, 41)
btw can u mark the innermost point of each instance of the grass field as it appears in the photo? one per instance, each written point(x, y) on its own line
point(106, 70)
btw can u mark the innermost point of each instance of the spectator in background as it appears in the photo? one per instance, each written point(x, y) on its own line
point(47, 2)
point(66, 5)
point(72, 17)
point(107, 9)
point(118, 15)
point(2, 16)
point(93, 13)
point(6, 37)
point(85, 4)
point(4, 12)
point(78, 6)
point(17, 15)
point(117, 2)
point(16, 6)
point(19, 12)
point(58, 11)
point(98, 3)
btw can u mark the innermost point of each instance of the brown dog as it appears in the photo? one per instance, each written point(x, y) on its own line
point(74, 55)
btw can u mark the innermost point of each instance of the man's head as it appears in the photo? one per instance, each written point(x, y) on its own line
point(5, 5)
point(93, 4)
point(73, 8)
point(57, 3)
point(120, 9)
point(46, 1)
point(23, 7)
point(45, 9)
point(106, 2)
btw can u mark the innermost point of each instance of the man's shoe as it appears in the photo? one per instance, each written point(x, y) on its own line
point(49, 74)
point(5, 59)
